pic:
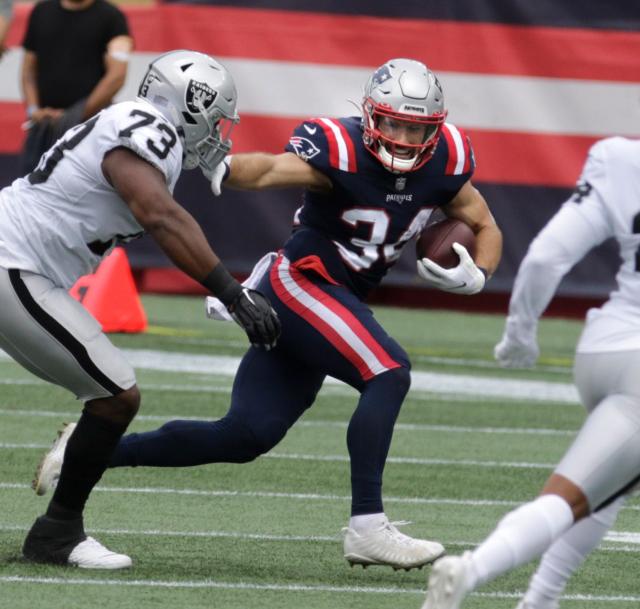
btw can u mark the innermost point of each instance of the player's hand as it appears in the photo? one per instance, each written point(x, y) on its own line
point(254, 314)
point(466, 278)
point(518, 347)
point(219, 175)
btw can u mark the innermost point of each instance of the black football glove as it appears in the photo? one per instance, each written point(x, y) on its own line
point(254, 314)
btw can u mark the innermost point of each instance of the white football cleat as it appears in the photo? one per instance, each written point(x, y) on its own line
point(448, 582)
point(385, 545)
point(48, 471)
point(91, 554)
point(63, 542)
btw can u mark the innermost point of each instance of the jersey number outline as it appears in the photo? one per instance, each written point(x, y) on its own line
point(41, 174)
point(167, 143)
point(375, 247)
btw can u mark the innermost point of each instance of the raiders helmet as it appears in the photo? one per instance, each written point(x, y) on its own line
point(409, 94)
point(197, 95)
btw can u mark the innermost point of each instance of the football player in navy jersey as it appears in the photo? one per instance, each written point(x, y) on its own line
point(371, 184)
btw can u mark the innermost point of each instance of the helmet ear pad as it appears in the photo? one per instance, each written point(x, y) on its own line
point(409, 93)
point(198, 96)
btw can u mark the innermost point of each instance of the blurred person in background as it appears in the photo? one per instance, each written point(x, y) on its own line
point(105, 182)
point(581, 499)
point(6, 15)
point(370, 183)
point(75, 61)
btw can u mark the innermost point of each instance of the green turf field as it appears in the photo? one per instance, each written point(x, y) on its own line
point(472, 441)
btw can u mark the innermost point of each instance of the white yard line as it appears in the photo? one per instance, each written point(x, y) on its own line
point(210, 584)
point(431, 382)
point(421, 427)
point(345, 458)
point(292, 496)
point(614, 536)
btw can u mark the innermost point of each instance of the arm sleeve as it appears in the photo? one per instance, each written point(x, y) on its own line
point(310, 143)
point(581, 223)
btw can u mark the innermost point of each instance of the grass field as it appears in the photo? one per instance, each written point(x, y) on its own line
point(472, 441)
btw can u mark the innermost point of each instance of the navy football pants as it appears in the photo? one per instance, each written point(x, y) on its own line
point(326, 330)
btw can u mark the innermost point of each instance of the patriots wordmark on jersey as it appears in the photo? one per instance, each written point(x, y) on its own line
point(74, 216)
point(360, 227)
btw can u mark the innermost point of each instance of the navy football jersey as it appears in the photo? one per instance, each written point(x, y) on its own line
point(359, 228)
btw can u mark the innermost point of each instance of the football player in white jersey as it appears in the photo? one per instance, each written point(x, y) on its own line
point(104, 182)
point(582, 497)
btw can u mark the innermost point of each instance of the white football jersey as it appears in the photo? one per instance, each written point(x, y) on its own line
point(64, 217)
point(606, 204)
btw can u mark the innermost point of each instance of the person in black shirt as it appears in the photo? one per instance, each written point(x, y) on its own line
point(75, 61)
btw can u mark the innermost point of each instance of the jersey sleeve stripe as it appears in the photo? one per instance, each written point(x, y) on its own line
point(458, 156)
point(332, 130)
point(331, 319)
point(351, 149)
point(467, 152)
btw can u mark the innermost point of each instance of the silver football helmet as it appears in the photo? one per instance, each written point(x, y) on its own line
point(402, 95)
point(197, 95)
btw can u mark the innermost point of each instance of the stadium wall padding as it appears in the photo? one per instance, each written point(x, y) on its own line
point(534, 85)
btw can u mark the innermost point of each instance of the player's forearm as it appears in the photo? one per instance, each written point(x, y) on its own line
point(182, 240)
point(488, 248)
point(251, 171)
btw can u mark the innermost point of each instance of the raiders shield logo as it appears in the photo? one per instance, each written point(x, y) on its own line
point(199, 95)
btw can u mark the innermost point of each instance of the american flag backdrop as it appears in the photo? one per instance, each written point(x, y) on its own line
point(534, 84)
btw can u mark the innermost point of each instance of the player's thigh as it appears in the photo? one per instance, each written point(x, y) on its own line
point(54, 336)
point(271, 391)
point(329, 328)
point(604, 459)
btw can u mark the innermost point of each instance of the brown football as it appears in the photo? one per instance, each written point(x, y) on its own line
point(436, 240)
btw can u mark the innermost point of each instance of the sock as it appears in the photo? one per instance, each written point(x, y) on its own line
point(366, 522)
point(521, 535)
point(369, 436)
point(85, 460)
point(564, 557)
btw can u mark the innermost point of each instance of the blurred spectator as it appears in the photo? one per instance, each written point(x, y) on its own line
point(75, 61)
point(6, 13)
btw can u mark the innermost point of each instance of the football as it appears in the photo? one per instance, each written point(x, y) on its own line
point(436, 240)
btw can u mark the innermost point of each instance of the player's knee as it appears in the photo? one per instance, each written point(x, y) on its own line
point(120, 409)
point(396, 381)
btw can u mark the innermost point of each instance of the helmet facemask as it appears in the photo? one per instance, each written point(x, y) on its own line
point(403, 114)
point(197, 95)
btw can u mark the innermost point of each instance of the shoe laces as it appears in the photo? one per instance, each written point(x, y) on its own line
point(391, 529)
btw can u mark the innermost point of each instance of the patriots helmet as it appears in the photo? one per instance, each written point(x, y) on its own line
point(197, 95)
point(406, 94)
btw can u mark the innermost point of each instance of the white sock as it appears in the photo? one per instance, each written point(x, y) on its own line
point(366, 522)
point(564, 557)
point(520, 536)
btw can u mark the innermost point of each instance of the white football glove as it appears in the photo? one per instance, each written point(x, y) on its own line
point(466, 278)
point(219, 174)
point(518, 347)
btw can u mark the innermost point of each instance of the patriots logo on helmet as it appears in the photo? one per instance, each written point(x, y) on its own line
point(303, 147)
point(382, 74)
point(199, 95)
